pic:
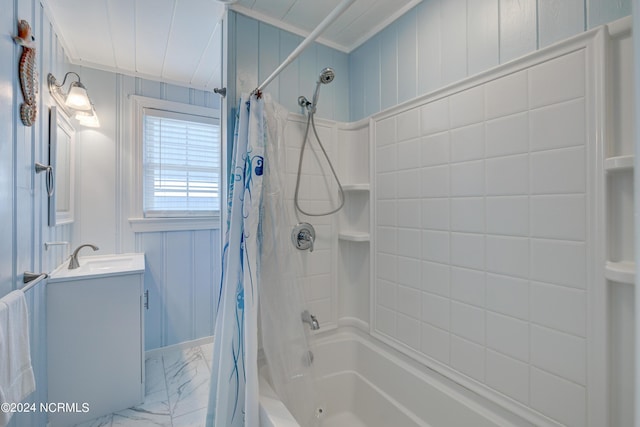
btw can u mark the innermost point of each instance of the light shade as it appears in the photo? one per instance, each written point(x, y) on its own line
point(77, 97)
point(88, 118)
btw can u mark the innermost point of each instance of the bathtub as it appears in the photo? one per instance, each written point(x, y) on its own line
point(362, 382)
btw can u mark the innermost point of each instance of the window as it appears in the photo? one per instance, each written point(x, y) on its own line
point(175, 177)
point(181, 164)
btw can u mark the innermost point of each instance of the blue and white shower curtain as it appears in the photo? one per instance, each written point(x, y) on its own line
point(233, 401)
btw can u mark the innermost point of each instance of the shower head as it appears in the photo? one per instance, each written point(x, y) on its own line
point(326, 76)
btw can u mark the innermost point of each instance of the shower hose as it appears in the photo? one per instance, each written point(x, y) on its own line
point(311, 124)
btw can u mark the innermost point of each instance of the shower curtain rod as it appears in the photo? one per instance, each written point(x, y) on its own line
point(308, 40)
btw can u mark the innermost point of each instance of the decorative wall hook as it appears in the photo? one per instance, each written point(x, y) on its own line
point(28, 109)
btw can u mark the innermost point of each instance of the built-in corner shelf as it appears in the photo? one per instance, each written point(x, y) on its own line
point(620, 272)
point(355, 187)
point(619, 163)
point(353, 236)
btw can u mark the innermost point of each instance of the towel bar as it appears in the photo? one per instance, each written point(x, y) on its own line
point(32, 279)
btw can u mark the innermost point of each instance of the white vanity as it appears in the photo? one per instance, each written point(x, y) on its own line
point(95, 336)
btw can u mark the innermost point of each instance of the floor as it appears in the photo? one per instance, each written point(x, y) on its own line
point(177, 392)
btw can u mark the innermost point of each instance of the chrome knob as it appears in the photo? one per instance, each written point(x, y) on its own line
point(303, 236)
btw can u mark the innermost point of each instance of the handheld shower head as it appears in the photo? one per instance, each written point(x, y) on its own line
point(326, 76)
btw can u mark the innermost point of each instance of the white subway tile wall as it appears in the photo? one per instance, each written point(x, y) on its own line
point(317, 193)
point(483, 265)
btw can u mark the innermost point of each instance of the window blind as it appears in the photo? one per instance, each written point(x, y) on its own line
point(181, 161)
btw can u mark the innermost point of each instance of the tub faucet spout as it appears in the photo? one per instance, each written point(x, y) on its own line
point(73, 262)
point(311, 320)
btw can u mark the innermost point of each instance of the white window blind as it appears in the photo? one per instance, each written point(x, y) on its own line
point(181, 161)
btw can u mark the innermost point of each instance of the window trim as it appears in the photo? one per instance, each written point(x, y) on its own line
point(137, 220)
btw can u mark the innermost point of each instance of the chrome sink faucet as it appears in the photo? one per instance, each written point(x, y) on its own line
point(73, 262)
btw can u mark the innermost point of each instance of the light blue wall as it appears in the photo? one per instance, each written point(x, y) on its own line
point(436, 43)
point(442, 41)
point(185, 307)
point(23, 211)
point(183, 267)
point(603, 11)
point(182, 277)
point(23, 215)
point(256, 49)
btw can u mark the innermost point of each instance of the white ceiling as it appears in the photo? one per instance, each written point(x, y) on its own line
point(358, 23)
point(180, 41)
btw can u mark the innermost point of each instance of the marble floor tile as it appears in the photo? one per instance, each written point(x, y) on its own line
point(153, 412)
point(187, 377)
point(207, 352)
point(140, 418)
point(177, 392)
point(154, 375)
point(104, 421)
point(192, 419)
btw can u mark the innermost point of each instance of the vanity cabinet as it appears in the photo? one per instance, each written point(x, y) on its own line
point(95, 337)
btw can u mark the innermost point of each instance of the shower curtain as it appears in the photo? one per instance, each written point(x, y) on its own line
point(258, 268)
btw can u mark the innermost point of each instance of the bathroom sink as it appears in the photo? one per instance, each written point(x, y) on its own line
point(99, 265)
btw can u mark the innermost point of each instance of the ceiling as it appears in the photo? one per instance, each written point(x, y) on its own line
point(357, 24)
point(180, 41)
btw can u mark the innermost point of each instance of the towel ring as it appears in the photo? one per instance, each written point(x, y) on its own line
point(50, 179)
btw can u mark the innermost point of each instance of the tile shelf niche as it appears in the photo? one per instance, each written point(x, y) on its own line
point(620, 268)
point(353, 236)
point(619, 163)
point(354, 170)
point(620, 272)
point(355, 187)
point(354, 224)
point(619, 176)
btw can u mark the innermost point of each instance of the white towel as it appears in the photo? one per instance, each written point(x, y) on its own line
point(16, 373)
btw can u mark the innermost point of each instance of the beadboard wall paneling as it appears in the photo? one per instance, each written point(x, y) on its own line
point(257, 50)
point(602, 11)
point(183, 276)
point(183, 267)
point(23, 215)
point(439, 42)
point(8, 93)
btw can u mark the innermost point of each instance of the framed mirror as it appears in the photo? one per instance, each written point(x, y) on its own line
point(61, 159)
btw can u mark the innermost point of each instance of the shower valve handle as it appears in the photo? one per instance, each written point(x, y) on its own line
point(303, 236)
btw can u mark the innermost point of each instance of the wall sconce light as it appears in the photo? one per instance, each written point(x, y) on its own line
point(88, 118)
point(76, 100)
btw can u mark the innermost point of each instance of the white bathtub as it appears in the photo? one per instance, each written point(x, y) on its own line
point(365, 383)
